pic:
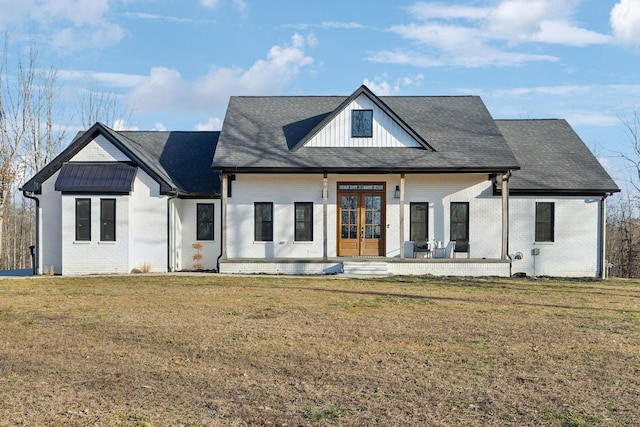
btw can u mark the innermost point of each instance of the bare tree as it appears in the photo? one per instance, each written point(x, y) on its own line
point(99, 106)
point(29, 137)
point(632, 128)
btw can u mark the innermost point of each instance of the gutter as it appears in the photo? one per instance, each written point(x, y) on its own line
point(36, 249)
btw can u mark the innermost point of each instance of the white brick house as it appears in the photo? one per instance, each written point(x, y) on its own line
point(403, 185)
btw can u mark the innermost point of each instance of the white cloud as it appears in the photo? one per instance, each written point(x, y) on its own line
point(591, 118)
point(341, 25)
point(69, 25)
point(166, 89)
point(427, 11)
point(210, 3)
point(214, 123)
point(470, 36)
point(116, 80)
point(625, 21)
point(121, 125)
point(73, 39)
point(382, 87)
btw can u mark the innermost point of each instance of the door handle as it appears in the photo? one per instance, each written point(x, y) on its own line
point(362, 234)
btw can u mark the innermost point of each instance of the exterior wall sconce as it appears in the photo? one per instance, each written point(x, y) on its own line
point(397, 192)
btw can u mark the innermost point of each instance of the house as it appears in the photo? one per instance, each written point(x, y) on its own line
point(327, 184)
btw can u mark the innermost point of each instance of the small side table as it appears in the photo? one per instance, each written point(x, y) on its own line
point(440, 253)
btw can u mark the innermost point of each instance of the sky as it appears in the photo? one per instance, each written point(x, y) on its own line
point(173, 64)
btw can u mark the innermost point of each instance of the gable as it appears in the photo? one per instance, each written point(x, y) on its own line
point(386, 132)
point(100, 150)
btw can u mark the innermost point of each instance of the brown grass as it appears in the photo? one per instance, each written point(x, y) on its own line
point(215, 350)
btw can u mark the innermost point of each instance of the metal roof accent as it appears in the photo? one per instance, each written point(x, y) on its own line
point(96, 178)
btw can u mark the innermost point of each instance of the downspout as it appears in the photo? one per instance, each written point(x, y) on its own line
point(603, 236)
point(36, 253)
point(505, 219)
point(223, 219)
point(170, 240)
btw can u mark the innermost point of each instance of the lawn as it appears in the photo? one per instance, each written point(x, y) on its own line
point(215, 350)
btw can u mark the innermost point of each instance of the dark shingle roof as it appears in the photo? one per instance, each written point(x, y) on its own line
point(184, 157)
point(259, 133)
point(553, 158)
point(178, 161)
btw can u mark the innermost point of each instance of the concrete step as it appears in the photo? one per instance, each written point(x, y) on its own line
point(367, 268)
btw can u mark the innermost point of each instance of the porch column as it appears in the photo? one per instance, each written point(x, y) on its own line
point(225, 186)
point(402, 216)
point(505, 215)
point(325, 196)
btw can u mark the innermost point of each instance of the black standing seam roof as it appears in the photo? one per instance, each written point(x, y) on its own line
point(99, 178)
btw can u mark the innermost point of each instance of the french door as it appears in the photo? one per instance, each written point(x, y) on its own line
point(361, 230)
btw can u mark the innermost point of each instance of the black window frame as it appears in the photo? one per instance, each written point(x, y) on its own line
point(545, 227)
point(454, 223)
point(83, 225)
point(201, 232)
point(413, 221)
point(361, 132)
point(262, 228)
point(107, 225)
point(306, 231)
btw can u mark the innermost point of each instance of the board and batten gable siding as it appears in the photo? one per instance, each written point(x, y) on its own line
point(100, 150)
point(576, 247)
point(50, 245)
point(210, 248)
point(386, 132)
point(95, 256)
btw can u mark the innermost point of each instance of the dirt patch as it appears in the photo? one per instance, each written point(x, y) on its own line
point(200, 351)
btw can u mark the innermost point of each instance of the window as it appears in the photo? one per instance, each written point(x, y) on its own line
point(544, 221)
point(263, 227)
point(459, 227)
point(304, 222)
point(419, 221)
point(361, 123)
point(108, 220)
point(83, 219)
point(204, 226)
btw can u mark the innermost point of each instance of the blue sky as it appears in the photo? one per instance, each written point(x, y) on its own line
point(173, 64)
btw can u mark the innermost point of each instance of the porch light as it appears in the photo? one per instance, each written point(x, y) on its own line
point(397, 192)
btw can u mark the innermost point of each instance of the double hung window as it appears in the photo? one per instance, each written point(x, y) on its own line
point(263, 222)
point(304, 222)
point(83, 219)
point(459, 225)
point(419, 221)
point(545, 221)
point(204, 218)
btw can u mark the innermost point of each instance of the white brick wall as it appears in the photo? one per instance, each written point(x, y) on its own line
point(100, 150)
point(50, 245)
point(94, 256)
point(211, 248)
point(148, 225)
point(575, 250)
point(284, 190)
